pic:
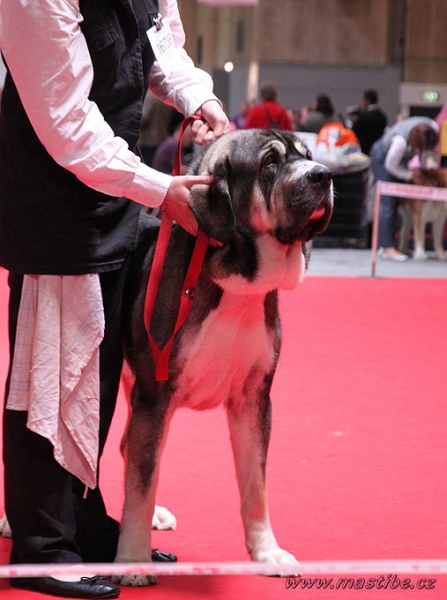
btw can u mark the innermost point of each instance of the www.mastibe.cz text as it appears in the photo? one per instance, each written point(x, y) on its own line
point(383, 582)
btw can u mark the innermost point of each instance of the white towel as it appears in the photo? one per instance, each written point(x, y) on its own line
point(55, 371)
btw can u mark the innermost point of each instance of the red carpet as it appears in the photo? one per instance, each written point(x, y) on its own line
point(358, 454)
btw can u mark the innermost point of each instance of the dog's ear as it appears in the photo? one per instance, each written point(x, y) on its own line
point(212, 205)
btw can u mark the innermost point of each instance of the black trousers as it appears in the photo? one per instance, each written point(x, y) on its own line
point(49, 518)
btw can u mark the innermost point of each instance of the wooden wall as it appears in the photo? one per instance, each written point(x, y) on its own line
point(410, 34)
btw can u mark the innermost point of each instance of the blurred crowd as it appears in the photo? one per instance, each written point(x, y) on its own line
point(360, 138)
point(160, 125)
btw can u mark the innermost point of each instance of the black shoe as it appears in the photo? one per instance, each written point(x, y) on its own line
point(159, 556)
point(86, 587)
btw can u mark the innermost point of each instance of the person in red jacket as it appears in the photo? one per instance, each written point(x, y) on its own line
point(268, 114)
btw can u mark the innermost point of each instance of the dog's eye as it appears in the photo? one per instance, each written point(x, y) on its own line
point(269, 165)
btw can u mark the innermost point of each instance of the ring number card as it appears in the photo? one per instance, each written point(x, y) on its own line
point(162, 42)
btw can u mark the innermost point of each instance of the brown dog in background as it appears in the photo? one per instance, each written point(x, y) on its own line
point(417, 213)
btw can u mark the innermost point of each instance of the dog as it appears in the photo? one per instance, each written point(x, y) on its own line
point(268, 199)
point(415, 214)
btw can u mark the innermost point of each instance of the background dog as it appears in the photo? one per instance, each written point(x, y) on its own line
point(416, 214)
point(267, 200)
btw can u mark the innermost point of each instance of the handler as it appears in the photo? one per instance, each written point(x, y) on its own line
point(71, 189)
point(390, 158)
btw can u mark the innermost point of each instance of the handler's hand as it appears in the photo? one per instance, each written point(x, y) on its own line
point(176, 202)
point(212, 124)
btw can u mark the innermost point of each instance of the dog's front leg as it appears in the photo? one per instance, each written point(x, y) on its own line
point(419, 233)
point(250, 425)
point(438, 231)
point(146, 436)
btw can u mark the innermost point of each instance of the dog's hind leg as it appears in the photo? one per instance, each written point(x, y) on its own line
point(147, 433)
point(163, 518)
point(250, 424)
point(438, 232)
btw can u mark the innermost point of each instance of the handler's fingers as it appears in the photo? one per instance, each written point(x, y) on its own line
point(214, 115)
point(199, 131)
point(190, 180)
point(203, 133)
point(196, 125)
point(209, 137)
point(209, 133)
point(176, 202)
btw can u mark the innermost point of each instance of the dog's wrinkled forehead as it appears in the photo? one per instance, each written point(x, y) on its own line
point(251, 146)
point(302, 148)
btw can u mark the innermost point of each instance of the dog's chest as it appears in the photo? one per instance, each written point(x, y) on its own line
point(228, 357)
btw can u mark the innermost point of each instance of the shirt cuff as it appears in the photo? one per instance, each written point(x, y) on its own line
point(193, 98)
point(149, 187)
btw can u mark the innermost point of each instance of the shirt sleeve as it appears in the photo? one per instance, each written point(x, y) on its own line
point(53, 74)
point(186, 87)
point(394, 157)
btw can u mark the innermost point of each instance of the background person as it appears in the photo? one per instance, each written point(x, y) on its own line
point(155, 126)
point(390, 157)
point(71, 190)
point(269, 112)
point(164, 157)
point(370, 122)
point(239, 119)
point(323, 112)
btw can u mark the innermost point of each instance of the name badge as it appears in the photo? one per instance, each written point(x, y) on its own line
point(162, 42)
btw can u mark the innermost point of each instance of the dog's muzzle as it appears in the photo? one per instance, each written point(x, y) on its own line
point(320, 176)
point(311, 205)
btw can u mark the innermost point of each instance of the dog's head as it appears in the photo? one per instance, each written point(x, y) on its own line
point(267, 198)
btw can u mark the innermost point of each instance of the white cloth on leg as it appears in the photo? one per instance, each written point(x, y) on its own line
point(55, 370)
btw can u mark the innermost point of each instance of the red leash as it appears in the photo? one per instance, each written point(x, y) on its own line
point(161, 356)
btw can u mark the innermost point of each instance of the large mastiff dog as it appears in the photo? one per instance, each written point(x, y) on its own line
point(268, 199)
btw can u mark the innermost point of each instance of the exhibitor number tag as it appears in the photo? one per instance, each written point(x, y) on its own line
point(162, 42)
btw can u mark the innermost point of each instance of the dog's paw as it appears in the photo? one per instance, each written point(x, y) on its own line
point(420, 256)
point(278, 556)
point(5, 529)
point(163, 519)
point(135, 580)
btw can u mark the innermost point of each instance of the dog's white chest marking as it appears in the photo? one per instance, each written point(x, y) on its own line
point(216, 361)
point(280, 267)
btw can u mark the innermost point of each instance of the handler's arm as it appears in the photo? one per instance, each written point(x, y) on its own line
point(53, 74)
point(393, 161)
point(186, 87)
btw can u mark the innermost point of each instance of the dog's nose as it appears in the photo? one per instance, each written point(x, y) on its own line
point(321, 176)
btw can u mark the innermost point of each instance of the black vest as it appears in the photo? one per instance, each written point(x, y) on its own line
point(50, 222)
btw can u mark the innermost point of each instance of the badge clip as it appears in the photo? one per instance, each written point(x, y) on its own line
point(158, 22)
